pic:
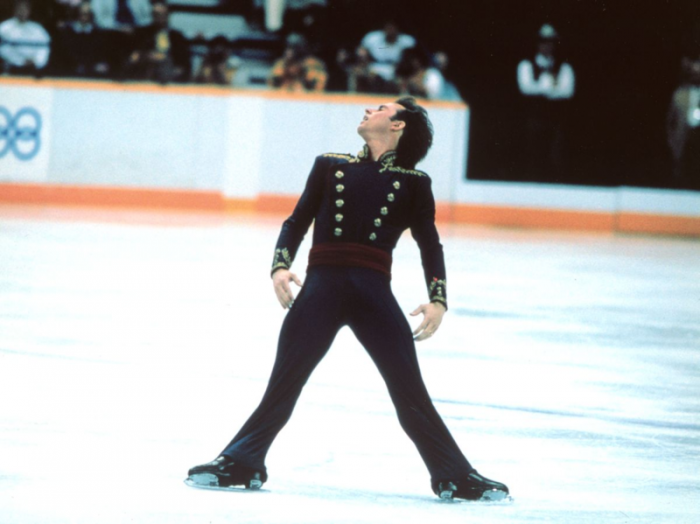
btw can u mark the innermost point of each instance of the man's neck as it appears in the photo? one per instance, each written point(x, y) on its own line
point(377, 147)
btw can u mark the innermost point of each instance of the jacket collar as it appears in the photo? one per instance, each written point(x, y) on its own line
point(387, 158)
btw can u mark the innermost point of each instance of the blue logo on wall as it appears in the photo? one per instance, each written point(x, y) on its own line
point(20, 134)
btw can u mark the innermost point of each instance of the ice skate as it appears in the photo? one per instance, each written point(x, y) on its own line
point(472, 487)
point(223, 473)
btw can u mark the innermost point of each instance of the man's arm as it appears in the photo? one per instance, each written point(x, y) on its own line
point(281, 280)
point(526, 79)
point(293, 231)
point(565, 85)
point(9, 50)
point(432, 257)
point(40, 55)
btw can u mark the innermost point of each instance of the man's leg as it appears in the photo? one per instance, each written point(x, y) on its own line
point(383, 330)
point(307, 333)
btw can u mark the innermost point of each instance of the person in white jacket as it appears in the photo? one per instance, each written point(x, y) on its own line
point(547, 83)
point(546, 75)
point(122, 14)
point(24, 45)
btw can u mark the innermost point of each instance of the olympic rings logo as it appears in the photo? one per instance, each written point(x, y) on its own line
point(20, 134)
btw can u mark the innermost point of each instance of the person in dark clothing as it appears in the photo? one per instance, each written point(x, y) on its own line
point(360, 205)
point(82, 47)
point(547, 85)
point(162, 54)
point(683, 127)
point(217, 66)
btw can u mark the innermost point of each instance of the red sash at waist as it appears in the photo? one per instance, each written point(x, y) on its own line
point(350, 254)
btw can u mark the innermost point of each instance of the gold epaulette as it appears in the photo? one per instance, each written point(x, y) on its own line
point(338, 155)
point(397, 169)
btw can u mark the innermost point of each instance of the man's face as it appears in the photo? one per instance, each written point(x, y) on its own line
point(391, 32)
point(23, 11)
point(379, 121)
point(160, 16)
point(85, 13)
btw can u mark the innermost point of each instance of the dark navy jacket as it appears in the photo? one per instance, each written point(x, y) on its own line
point(355, 199)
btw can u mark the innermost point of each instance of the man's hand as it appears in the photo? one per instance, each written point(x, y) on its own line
point(432, 317)
point(280, 280)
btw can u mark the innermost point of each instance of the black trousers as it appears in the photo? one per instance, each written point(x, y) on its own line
point(333, 297)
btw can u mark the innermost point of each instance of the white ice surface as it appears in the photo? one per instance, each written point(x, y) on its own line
point(134, 345)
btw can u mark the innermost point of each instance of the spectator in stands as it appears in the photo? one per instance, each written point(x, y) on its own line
point(24, 45)
point(298, 70)
point(81, 46)
point(416, 76)
point(683, 127)
point(449, 91)
point(385, 47)
point(122, 15)
point(546, 83)
point(360, 76)
point(218, 66)
point(120, 19)
point(309, 19)
point(162, 54)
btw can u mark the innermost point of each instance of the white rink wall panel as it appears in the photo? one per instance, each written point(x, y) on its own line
point(640, 200)
point(539, 196)
point(242, 146)
point(26, 160)
point(137, 140)
point(238, 144)
point(247, 146)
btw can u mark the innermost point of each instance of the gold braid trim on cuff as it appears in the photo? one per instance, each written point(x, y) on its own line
point(278, 265)
point(282, 260)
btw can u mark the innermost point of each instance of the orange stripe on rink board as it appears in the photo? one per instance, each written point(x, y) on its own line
point(658, 224)
point(537, 218)
point(240, 205)
point(190, 200)
point(111, 197)
point(277, 204)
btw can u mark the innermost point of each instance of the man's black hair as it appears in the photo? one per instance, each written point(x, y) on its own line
point(417, 135)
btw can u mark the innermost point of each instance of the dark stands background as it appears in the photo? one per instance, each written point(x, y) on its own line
point(626, 55)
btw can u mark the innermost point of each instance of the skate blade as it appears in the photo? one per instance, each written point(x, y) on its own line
point(255, 484)
point(447, 492)
point(209, 481)
point(494, 495)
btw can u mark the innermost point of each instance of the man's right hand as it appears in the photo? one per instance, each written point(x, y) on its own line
point(281, 280)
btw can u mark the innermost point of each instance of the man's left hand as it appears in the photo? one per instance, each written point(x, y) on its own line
point(432, 317)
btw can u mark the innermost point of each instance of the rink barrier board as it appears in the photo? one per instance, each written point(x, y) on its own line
point(175, 162)
point(282, 205)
